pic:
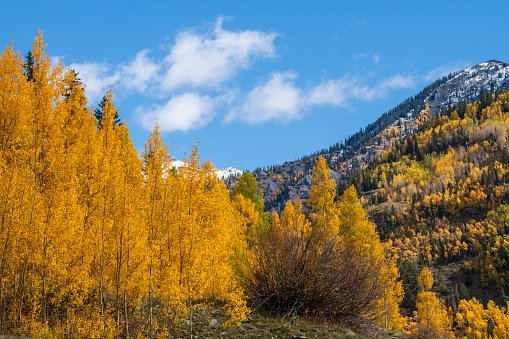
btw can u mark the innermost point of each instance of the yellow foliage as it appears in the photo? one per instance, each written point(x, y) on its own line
point(322, 194)
point(432, 318)
point(91, 231)
point(476, 321)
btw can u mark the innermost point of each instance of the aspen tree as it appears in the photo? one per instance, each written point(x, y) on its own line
point(128, 239)
point(322, 194)
point(205, 232)
point(110, 181)
point(432, 316)
point(14, 129)
point(243, 195)
point(356, 230)
point(76, 208)
point(247, 215)
point(157, 179)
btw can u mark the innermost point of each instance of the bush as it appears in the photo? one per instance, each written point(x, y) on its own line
point(294, 272)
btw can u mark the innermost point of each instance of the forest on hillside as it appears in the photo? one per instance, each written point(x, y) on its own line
point(98, 242)
point(440, 199)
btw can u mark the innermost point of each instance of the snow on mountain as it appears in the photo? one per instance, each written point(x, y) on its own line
point(222, 173)
point(469, 84)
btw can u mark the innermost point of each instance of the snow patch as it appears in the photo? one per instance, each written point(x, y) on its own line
point(222, 173)
point(469, 84)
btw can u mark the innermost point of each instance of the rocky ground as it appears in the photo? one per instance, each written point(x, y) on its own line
point(208, 324)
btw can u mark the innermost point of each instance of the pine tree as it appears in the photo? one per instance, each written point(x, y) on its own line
point(99, 113)
point(29, 66)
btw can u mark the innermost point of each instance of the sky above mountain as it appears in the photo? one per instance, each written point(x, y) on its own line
point(263, 82)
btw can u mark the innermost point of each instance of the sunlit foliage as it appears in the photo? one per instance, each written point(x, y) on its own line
point(92, 236)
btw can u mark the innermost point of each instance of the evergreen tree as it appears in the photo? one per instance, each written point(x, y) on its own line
point(99, 114)
point(29, 66)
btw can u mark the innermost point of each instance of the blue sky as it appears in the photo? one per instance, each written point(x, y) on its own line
point(261, 82)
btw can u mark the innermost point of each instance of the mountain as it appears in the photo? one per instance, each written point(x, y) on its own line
point(441, 198)
point(292, 179)
point(434, 181)
point(224, 173)
point(469, 85)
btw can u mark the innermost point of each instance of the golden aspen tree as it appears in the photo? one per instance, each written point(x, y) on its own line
point(294, 220)
point(357, 231)
point(476, 321)
point(129, 238)
point(194, 233)
point(247, 188)
point(158, 178)
point(15, 98)
point(248, 216)
point(88, 230)
point(54, 182)
point(322, 194)
point(247, 219)
point(432, 317)
point(109, 183)
point(354, 226)
point(274, 220)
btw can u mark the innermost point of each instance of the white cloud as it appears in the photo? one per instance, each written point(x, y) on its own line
point(398, 81)
point(330, 92)
point(140, 72)
point(210, 59)
point(189, 81)
point(338, 92)
point(181, 113)
point(280, 99)
point(276, 100)
point(97, 77)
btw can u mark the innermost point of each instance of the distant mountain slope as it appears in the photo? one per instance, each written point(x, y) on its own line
point(292, 179)
point(441, 198)
point(469, 84)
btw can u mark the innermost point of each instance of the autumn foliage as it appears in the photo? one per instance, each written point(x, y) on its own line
point(333, 266)
point(440, 199)
point(97, 242)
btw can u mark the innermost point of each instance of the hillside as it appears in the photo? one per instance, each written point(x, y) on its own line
point(290, 180)
point(440, 198)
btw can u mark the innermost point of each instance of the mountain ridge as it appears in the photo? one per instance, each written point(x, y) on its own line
point(292, 179)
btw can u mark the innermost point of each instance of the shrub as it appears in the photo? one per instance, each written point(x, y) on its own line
point(295, 272)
